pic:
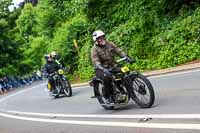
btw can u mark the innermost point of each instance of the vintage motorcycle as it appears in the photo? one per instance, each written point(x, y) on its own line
point(125, 85)
point(61, 84)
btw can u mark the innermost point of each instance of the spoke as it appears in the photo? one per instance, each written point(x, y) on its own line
point(101, 90)
point(141, 97)
point(146, 99)
point(139, 82)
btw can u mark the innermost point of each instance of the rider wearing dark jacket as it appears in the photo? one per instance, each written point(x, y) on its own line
point(102, 54)
point(50, 67)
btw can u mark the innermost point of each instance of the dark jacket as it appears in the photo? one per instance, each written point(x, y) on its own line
point(51, 67)
point(104, 55)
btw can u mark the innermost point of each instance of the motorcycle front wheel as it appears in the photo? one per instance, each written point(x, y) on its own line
point(56, 95)
point(143, 93)
point(67, 88)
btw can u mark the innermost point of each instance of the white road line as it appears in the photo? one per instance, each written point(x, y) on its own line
point(113, 124)
point(163, 75)
point(80, 87)
point(159, 116)
point(158, 76)
point(28, 89)
point(101, 123)
point(20, 92)
point(174, 73)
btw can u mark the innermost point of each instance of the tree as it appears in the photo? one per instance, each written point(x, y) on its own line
point(9, 48)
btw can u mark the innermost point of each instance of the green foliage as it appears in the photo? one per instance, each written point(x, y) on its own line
point(180, 43)
point(85, 66)
point(63, 40)
point(46, 19)
point(26, 22)
point(174, 7)
point(10, 51)
point(35, 52)
point(157, 33)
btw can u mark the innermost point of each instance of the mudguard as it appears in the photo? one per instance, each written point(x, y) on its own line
point(133, 74)
point(94, 81)
point(93, 84)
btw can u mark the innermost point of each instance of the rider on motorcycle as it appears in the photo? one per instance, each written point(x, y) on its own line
point(102, 55)
point(50, 67)
point(57, 59)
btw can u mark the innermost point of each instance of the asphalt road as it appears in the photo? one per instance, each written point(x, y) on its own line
point(176, 110)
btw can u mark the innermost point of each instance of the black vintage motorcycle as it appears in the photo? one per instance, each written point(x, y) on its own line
point(125, 85)
point(61, 84)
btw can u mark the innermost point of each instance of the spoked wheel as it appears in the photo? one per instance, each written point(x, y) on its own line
point(67, 88)
point(56, 95)
point(99, 93)
point(143, 92)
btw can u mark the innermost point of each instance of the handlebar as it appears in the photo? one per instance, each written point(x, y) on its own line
point(121, 60)
point(58, 72)
point(127, 59)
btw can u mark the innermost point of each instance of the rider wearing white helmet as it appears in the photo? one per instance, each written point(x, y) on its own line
point(97, 34)
point(53, 53)
point(102, 54)
point(57, 58)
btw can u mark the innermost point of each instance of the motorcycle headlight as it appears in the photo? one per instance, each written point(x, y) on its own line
point(61, 71)
point(125, 69)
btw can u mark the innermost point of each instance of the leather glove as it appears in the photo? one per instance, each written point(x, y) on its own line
point(129, 59)
point(105, 71)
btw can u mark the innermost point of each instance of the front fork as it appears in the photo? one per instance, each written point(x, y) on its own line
point(128, 83)
point(56, 86)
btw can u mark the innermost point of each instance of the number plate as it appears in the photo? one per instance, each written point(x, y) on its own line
point(125, 69)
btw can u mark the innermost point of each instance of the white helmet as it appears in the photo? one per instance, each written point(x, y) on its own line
point(53, 53)
point(97, 34)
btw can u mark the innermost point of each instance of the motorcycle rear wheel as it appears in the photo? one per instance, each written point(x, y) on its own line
point(99, 94)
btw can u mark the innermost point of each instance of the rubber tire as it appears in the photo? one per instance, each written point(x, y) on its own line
point(99, 98)
point(69, 94)
point(151, 91)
